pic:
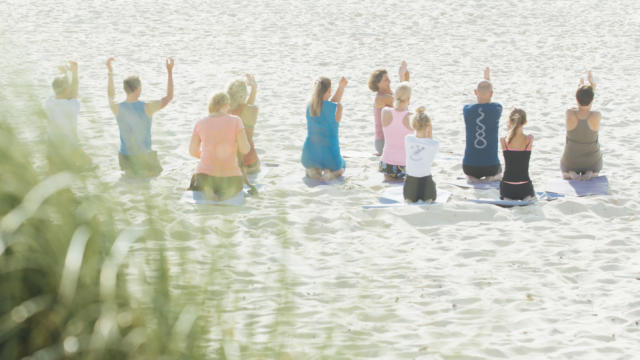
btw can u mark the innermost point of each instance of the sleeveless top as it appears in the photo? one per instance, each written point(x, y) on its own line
point(219, 145)
point(377, 117)
point(581, 150)
point(516, 163)
point(394, 134)
point(321, 148)
point(420, 154)
point(63, 120)
point(135, 128)
point(252, 156)
point(482, 126)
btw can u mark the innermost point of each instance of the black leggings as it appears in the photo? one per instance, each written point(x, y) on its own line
point(419, 188)
point(479, 172)
point(516, 191)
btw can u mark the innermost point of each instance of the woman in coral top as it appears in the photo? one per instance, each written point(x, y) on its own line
point(216, 141)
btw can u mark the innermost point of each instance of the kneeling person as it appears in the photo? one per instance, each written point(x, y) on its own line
point(134, 122)
point(216, 141)
point(420, 151)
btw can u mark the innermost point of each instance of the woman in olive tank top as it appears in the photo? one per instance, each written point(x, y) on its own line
point(582, 158)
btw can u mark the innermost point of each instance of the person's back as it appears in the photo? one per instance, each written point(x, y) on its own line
point(394, 134)
point(219, 145)
point(516, 149)
point(482, 127)
point(135, 128)
point(134, 122)
point(248, 114)
point(321, 148)
point(481, 162)
point(582, 158)
point(420, 150)
point(63, 120)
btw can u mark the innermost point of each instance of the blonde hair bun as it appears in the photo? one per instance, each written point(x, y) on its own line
point(421, 110)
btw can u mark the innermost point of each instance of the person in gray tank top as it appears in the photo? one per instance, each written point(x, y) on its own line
point(136, 156)
point(582, 158)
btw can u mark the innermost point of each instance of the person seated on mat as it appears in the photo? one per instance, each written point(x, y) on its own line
point(136, 157)
point(380, 83)
point(216, 141)
point(63, 150)
point(244, 107)
point(321, 151)
point(420, 150)
point(516, 149)
point(582, 159)
point(395, 125)
point(481, 162)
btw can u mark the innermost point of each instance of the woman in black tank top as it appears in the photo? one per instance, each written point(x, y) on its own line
point(516, 149)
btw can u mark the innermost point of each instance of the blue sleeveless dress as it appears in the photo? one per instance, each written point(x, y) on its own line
point(321, 149)
point(135, 128)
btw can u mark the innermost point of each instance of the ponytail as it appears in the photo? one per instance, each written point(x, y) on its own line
point(517, 119)
point(321, 86)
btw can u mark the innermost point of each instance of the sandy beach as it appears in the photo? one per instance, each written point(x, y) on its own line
point(554, 280)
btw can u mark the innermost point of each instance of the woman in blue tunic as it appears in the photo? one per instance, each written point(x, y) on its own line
point(321, 151)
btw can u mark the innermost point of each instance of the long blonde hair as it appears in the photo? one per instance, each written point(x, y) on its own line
point(420, 120)
point(403, 92)
point(218, 101)
point(321, 86)
point(237, 92)
point(517, 119)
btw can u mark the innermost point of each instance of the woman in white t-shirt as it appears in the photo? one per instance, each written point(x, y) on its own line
point(420, 150)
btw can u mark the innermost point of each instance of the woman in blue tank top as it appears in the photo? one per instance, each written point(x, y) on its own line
point(321, 151)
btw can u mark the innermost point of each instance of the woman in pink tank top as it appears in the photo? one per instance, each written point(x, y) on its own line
point(395, 126)
point(380, 83)
point(216, 141)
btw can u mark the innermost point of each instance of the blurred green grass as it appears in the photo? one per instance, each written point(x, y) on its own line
point(71, 285)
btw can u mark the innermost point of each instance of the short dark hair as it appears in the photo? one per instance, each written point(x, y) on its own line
point(584, 95)
point(375, 78)
point(131, 84)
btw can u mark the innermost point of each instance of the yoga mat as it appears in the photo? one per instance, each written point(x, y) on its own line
point(393, 197)
point(595, 186)
point(509, 203)
point(196, 197)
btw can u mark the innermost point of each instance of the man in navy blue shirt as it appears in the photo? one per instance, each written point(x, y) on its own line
point(481, 162)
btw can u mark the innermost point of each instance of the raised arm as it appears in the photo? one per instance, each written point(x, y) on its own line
point(590, 78)
point(337, 96)
point(403, 72)
point(111, 91)
point(251, 81)
point(154, 106)
point(74, 79)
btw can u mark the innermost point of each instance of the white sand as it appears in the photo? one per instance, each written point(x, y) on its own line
point(558, 280)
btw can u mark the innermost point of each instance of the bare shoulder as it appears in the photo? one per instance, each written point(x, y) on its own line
point(383, 100)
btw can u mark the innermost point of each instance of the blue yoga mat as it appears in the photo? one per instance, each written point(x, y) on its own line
point(540, 196)
point(196, 197)
point(595, 186)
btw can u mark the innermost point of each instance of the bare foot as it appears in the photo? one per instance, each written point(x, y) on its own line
point(314, 173)
point(473, 180)
point(588, 175)
point(574, 175)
